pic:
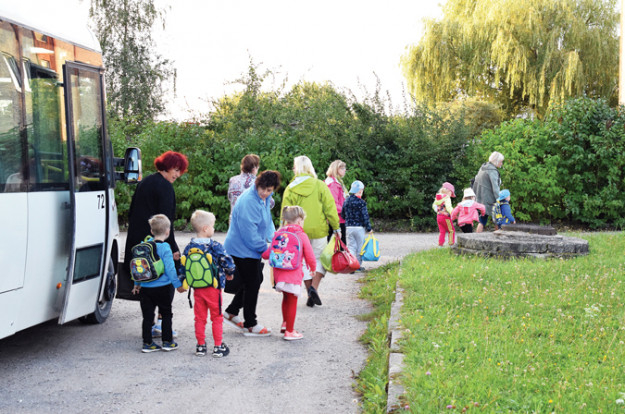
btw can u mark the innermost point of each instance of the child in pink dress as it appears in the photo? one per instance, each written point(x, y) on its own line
point(467, 211)
point(289, 281)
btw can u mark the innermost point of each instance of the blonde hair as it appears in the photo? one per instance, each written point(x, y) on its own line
point(333, 171)
point(291, 213)
point(201, 218)
point(303, 165)
point(159, 224)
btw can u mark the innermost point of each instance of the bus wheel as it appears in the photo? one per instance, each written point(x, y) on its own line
point(103, 308)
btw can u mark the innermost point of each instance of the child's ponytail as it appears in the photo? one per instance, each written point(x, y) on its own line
point(291, 213)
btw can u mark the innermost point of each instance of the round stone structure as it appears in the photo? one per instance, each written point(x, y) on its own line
point(520, 240)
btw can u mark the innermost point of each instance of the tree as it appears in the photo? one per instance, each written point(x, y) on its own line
point(135, 73)
point(522, 54)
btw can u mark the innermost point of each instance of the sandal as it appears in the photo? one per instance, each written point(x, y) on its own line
point(258, 330)
point(234, 320)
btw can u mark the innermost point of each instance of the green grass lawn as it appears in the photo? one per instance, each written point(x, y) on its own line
point(507, 336)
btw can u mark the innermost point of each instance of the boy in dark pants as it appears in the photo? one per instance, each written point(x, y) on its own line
point(157, 293)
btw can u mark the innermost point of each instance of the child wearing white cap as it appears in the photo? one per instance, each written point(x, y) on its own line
point(467, 211)
point(356, 218)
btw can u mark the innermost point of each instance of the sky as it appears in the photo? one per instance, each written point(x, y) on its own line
point(344, 42)
point(349, 43)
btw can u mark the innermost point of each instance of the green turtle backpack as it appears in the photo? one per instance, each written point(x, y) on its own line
point(200, 270)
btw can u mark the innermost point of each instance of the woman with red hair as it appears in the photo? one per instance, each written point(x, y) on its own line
point(154, 195)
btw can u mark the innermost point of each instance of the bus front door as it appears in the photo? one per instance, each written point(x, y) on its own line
point(84, 103)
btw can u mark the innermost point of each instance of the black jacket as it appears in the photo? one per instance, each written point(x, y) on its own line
point(153, 195)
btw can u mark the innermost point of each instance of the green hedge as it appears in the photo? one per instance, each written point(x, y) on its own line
point(402, 160)
point(567, 168)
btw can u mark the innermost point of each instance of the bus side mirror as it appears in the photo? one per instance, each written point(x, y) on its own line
point(132, 165)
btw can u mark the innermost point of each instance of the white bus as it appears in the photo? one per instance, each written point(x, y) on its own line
point(58, 217)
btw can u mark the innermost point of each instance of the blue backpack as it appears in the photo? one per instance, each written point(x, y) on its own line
point(498, 217)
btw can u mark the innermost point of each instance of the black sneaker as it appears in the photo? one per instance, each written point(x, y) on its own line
point(310, 302)
point(200, 350)
point(220, 351)
point(150, 347)
point(312, 292)
point(169, 346)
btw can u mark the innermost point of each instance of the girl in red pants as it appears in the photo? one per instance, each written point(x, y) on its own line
point(442, 207)
point(289, 248)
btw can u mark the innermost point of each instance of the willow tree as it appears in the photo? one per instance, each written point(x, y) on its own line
point(522, 54)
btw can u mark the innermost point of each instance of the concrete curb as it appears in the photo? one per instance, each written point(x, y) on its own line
point(396, 358)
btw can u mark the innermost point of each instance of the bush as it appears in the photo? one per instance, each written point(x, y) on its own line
point(401, 159)
point(529, 170)
point(567, 168)
point(590, 147)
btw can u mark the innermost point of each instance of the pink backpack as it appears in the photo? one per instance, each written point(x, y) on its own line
point(285, 251)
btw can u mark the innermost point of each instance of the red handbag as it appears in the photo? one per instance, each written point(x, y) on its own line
point(342, 260)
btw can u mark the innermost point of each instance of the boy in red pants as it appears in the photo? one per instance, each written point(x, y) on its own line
point(209, 298)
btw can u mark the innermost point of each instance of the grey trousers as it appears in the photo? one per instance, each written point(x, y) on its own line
point(355, 240)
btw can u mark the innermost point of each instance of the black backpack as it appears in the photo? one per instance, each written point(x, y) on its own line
point(146, 265)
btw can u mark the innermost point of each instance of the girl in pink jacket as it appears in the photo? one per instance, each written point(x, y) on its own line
point(288, 251)
point(335, 174)
point(467, 211)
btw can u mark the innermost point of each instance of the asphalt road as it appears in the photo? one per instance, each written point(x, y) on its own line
point(78, 368)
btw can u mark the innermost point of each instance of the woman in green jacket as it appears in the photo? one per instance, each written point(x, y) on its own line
point(314, 196)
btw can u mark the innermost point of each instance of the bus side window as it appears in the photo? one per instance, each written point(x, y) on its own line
point(88, 129)
point(12, 157)
point(44, 111)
